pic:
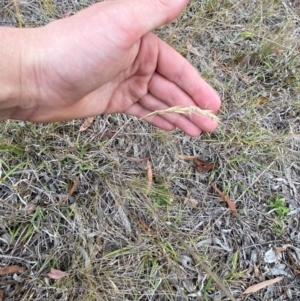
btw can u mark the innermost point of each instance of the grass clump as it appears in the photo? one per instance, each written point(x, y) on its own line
point(279, 207)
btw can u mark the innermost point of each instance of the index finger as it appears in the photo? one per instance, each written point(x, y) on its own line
point(178, 70)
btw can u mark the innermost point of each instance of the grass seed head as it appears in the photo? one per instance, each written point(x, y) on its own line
point(185, 111)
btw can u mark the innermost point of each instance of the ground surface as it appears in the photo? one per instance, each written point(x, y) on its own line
point(118, 243)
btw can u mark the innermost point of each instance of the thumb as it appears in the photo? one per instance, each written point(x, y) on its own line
point(139, 17)
point(151, 14)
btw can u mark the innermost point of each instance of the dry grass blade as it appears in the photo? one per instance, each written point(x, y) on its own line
point(10, 269)
point(226, 198)
point(185, 111)
point(256, 287)
point(150, 177)
point(186, 157)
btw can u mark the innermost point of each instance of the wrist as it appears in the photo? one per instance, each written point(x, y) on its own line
point(17, 87)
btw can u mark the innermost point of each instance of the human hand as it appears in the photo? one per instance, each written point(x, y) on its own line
point(105, 60)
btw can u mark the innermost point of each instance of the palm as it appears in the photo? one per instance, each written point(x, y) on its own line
point(91, 68)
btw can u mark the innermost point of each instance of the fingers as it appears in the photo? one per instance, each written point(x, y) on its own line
point(171, 95)
point(167, 121)
point(139, 111)
point(176, 69)
point(151, 103)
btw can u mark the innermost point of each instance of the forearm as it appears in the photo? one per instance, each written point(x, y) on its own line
point(15, 78)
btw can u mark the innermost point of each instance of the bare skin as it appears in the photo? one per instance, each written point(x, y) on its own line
point(105, 60)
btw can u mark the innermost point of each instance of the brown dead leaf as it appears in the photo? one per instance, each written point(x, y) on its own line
point(203, 166)
point(74, 186)
point(57, 274)
point(149, 176)
point(225, 198)
point(87, 123)
point(11, 269)
point(1, 295)
point(256, 287)
point(261, 100)
point(186, 157)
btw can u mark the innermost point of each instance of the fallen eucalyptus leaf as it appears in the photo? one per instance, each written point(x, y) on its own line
point(256, 287)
